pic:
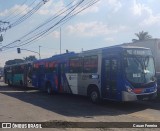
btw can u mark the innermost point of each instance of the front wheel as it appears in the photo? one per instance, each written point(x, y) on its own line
point(94, 96)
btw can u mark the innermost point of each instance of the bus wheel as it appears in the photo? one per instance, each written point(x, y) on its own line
point(49, 89)
point(94, 96)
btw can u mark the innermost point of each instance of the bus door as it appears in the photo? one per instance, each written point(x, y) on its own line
point(109, 78)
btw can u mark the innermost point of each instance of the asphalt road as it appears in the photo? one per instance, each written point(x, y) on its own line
point(30, 105)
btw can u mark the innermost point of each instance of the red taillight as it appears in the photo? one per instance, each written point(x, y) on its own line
point(137, 90)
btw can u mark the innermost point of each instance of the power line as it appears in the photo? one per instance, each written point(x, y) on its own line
point(59, 13)
point(89, 4)
point(63, 20)
point(14, 12)
point(23, 11)
point(40, 35)
point(45, 31)
point(25, 16)
point(50, 20)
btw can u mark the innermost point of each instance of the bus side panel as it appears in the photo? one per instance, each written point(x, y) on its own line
point(72, 85)
point(35, 79)
point(64, 86)
point(51, 78)
point(9, 79)
point(63, 77)
point(87, 79)
point(91, 76)
point(38, 77)
point(18, 79)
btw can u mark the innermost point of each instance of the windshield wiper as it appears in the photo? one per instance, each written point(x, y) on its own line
point(146, 58)
point(138, 61)
point(141, 62)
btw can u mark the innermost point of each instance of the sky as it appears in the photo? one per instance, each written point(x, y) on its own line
point(107, 23)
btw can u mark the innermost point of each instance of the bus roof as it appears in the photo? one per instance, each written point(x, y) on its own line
point(99, 50)
point(60, 57)
point(19, 64)
point(57, 57)
point(134, 47)
point(115, 47)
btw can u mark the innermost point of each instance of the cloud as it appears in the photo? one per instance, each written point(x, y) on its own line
point(92, 9)
point(145, 14)
point(109, 39)
point(140, 9)
point(134, 13)
point(114, 5)
point(94, 28)
point(17, 9)
point(55, 34)
point(151, 20)
point(47, 9)
point(51, 7)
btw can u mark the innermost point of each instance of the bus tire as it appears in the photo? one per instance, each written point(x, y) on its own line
point(94, 95)
point(49, 89)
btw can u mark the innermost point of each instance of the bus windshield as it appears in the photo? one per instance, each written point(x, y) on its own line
point(140, 69)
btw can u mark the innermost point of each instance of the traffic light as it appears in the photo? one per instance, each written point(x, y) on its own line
point(18, 50)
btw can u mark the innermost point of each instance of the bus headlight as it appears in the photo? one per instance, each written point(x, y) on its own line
point(156, 85)
point(29, 81)
point(129, 89)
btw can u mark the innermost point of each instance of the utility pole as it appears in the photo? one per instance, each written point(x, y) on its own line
point(40, 51)
point(60, 40)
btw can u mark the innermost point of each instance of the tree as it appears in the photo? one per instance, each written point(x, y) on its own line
point(30, 58)
point(142, 36)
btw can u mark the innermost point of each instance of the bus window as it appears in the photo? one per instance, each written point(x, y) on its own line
point(35, 67)
point(75, 65)
point(107, 69)
point(20, 69)
point(63, 68)
point(114, 66)
point(90, 64)
point(51, 67)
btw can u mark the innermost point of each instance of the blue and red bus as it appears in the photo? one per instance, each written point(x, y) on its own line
point(118, 73)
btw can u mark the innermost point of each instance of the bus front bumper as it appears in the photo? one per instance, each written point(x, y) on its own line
point(126, 96)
